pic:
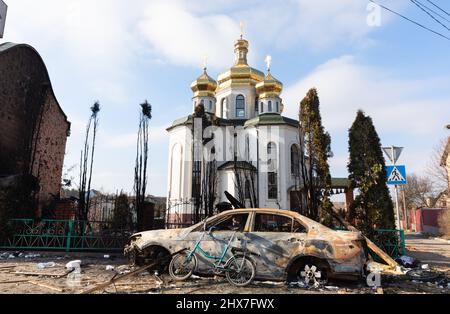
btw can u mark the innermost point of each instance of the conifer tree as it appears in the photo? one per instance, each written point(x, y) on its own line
point(315, 149)
point(373, 208)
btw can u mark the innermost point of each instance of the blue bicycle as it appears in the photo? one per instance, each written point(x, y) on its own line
point(238, 269)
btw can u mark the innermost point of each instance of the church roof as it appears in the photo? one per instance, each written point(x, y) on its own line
point(204, 85)
point(271, 119)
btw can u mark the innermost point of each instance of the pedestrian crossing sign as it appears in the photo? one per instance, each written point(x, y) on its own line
point(396, 175)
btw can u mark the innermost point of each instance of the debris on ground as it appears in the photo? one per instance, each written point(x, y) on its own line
point(407, 261)
point(46, 265)
point(110, 268)
point(74, 266)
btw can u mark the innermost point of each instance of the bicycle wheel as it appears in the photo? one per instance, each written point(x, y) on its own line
point(240, 271)
point(182, 266)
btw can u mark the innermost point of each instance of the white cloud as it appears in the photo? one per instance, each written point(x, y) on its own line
point(185, 38)
point(404, 110)
point(395, 104)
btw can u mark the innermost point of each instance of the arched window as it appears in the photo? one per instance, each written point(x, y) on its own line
point(278, 106)
point(270, 106)
point(223, 108)
point(240, 106)
point(272, 175)
point(295, 161)
point(202, 102)
point(210, 105)
point(262, 107)
point(256, 105)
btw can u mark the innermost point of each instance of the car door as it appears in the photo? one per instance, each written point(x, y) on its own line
point(275, 239)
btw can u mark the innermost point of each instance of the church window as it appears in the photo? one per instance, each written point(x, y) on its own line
point(278, 106)
point(270, 106)
point(256, 105)
point(272, 176)
point(210, 105)
point(262, 107)
point(240, 106)
point(247, 190)
point(295, 161)
point(224, 108)
point(202, 102)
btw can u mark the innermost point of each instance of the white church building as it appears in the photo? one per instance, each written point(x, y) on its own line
point(243, 110)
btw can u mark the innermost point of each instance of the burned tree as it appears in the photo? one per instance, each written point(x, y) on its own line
point(209, 184)
point(140, 170)
point(87, 164)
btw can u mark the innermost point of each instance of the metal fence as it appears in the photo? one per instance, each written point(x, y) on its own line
point(181, 214)
point(65, 235)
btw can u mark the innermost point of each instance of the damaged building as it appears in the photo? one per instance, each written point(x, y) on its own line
point(33, 127)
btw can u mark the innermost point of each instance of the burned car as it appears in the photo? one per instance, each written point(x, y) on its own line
point(281, 244)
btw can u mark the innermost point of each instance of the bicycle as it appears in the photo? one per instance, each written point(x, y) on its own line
point(238, 269)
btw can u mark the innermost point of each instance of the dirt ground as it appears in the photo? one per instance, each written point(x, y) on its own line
point(21, 275)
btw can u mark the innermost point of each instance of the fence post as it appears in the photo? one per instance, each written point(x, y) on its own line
point(69, 236)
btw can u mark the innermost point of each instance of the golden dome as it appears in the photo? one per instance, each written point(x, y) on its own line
point(270, 87)
point(204, 86)
point(241, 73)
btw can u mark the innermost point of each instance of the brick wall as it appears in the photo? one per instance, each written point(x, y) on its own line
point(33, 127)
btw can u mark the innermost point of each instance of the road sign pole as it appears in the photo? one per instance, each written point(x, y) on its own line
point(399, 227)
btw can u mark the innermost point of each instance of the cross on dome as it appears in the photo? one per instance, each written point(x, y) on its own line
point(268, 62)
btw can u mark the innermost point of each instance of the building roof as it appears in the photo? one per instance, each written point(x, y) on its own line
point(340, 182)
point(271, 119)
point(8, 46)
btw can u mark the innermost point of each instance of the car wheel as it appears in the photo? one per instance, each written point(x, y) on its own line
point(313, 275)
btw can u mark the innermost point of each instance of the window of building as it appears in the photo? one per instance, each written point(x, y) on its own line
point(240, 106)
point(295, 160)
point(210, 105)
point(270, 106)
point(223, 108)
point(247, 190)
point(256, 105)
point(272, 180)
point(273, 223)
point(272, 185)
point(202, 102)
point(278, 106)
point(262, 107)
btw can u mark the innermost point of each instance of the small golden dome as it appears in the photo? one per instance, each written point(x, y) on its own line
point(270, 87)
point(204, 86)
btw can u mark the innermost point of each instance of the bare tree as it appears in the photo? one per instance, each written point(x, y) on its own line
point(140, 170)
point(437, 173)
point(420, 192)
point(85, 176)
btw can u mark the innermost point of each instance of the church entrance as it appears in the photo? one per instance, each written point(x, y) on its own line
point(295, 201)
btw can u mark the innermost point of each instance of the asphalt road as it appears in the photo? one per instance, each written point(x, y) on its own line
point(427, 250)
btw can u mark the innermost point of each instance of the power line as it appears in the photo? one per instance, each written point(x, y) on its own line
point(431, 10)
point(431, 15)
point(408, 19)
point(439, 7)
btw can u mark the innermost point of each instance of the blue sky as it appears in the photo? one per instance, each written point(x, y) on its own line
point(123, 52)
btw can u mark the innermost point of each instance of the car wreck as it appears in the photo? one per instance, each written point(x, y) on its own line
point(282, 245)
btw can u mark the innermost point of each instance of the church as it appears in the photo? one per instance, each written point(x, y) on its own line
point(236, 141)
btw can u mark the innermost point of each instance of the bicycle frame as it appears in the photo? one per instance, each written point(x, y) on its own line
point(220, 259)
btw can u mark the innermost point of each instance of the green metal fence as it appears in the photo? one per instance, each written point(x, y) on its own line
point(391, 241)
point(65, 235)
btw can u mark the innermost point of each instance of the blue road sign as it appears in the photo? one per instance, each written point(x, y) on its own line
point(396, 175)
